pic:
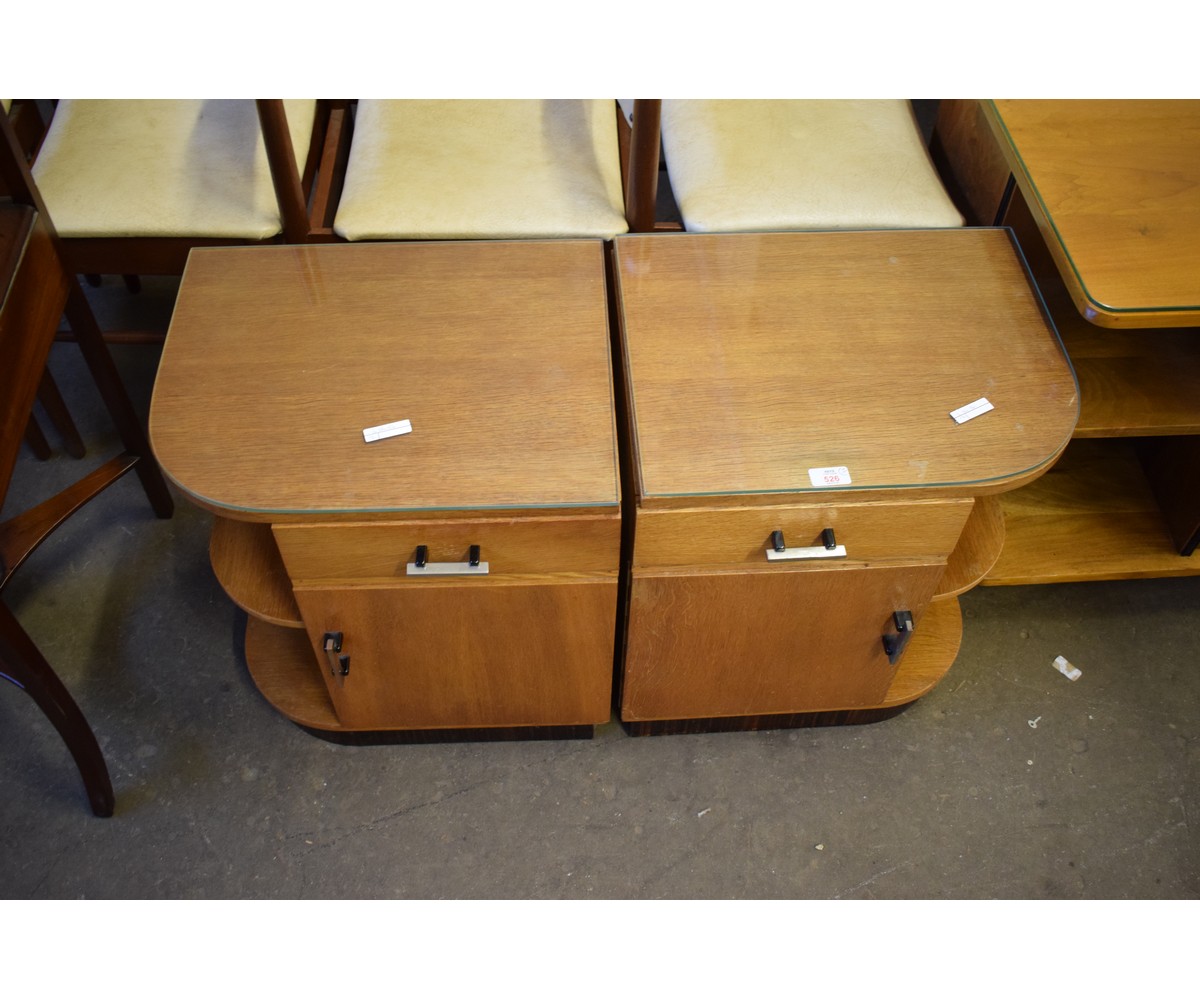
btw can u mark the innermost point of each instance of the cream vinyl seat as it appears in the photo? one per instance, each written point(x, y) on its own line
point(739, 165)
point(162, 169)
point(482, 169)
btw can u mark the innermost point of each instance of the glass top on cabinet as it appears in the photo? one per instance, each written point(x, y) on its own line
point(497, 353)
point(1117, 185)
point(798, 363)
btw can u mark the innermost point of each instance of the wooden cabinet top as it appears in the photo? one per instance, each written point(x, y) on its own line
point(1117, 187)
point(278, 358)
point(757, 361)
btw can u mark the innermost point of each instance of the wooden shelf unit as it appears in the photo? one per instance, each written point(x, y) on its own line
point(1101, 197)
point(1099, 513)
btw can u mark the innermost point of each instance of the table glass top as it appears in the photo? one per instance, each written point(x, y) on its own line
point(497, 354)
point(1118, 185)
point(795, 363)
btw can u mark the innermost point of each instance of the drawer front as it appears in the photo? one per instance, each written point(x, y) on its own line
point(741, 536)
point(448, 656)
point(382, 550)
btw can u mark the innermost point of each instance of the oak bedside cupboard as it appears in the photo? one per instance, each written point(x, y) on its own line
point(459, 570)
point(819, 426)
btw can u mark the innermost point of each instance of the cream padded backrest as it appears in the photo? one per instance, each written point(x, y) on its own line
point(482, 170)
point(792, 165)
point(164, 168)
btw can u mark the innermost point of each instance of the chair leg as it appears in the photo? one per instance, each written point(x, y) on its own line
point(35, 437)
point(22, 663)
point(56, 408)
point(112, 390)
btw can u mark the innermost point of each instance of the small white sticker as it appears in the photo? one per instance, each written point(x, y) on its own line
point(834, 475)
point(387, 430)
point(971, 410)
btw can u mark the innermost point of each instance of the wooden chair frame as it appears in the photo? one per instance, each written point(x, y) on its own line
point(309, 213)
point(38, 291)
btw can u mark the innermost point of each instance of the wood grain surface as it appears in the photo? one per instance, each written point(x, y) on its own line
point(1115, 186)
point(587, 545)
point(977, 550)
point(752, 359)
point(1143, 381)
point(443, 654)
point(246, 562)
point(752, 642)
point(741, 535)
point(498, 353)
point(1092, 517)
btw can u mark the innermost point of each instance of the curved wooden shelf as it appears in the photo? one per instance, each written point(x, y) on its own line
point(930, 654)
point(247, 563)
point(286, 672)
point(978, 549)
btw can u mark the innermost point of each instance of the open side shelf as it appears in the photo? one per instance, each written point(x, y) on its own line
point(248, 565)
point(978, 548)
point(1092, 517)
point(1099, 513)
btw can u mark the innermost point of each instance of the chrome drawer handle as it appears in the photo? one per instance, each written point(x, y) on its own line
point(828, 549)
point(421, 566)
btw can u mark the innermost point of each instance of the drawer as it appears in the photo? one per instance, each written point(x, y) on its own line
point(740, 536)
point(378, 550)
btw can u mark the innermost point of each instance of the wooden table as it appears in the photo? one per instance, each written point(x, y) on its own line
point(370, 610)
point(1105, 201)
point(805, 510)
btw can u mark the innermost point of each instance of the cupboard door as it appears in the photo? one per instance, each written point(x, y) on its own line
point(718, 644)
point(433, 654)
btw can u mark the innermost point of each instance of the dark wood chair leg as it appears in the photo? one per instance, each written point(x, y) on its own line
point(22, 663)
point(35, 437)
point(112, 391)
point(133, 283)
point(56, 408)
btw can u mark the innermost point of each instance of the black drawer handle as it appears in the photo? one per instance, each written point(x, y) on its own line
point(894, 642)
point(339, 663)
point(828, 549)
point(421, 566)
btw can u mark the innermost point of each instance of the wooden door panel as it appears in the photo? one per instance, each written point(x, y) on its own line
point(750, 643)
point(434, 654)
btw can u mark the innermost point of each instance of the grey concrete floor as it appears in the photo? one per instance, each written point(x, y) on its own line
point(1007, 781)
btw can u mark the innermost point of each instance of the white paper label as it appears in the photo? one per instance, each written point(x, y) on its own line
point(971, 410)
point(834, 475)
point(387, 430)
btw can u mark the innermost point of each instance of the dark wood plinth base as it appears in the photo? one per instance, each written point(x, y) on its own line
point(754, 723)
point(391, 737)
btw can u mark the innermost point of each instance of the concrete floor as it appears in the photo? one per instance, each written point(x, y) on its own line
point(1007, 781)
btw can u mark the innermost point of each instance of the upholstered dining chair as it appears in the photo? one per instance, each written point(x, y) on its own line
point(490, 169)
point(36, 290)
point(134, 185)
point(750, 165)
point(25, 120)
